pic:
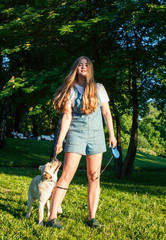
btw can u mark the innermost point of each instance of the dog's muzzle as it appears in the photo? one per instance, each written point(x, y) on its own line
point(58, 166)
point(58, 163)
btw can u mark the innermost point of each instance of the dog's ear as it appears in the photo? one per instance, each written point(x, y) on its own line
point(41, 168)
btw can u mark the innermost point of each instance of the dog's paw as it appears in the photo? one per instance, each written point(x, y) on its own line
point(41, 223)
point(28, 215)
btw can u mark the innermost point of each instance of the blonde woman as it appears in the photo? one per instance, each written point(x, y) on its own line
point(82, 101)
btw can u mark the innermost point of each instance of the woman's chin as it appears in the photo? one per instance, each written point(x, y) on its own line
point(82, 75)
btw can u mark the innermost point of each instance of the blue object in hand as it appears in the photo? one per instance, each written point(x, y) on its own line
point(114, 151)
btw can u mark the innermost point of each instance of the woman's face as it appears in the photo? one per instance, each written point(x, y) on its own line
point(82, 68)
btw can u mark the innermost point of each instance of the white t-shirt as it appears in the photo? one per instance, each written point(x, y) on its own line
point(100, 90)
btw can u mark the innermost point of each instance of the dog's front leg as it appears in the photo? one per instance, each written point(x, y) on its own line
point(60, 209)
point(41, 212)
point(48, 208)
point(29, 204)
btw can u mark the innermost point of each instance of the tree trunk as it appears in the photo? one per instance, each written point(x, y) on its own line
point(18, 118)
point(35, 127)
point(3, 121)
point(118, 162)
point(129, 160)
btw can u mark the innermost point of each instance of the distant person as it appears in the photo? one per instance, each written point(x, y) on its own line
point(82, 101)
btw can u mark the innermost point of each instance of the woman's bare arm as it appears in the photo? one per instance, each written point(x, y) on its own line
point(65, 124)
point(109, 123)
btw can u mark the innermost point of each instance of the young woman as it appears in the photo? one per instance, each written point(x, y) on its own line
point(82, 101)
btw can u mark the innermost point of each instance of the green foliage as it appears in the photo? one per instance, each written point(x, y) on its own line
point(144, 145)
point(126, 123)
point(153, 129)
point(41, 119)
point(125, 40)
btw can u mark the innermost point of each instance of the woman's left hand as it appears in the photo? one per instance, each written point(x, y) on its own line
point(112, 141)
point(58, 148)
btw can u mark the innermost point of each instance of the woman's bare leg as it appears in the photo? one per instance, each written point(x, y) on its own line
point(93, 172)
point(70, 166)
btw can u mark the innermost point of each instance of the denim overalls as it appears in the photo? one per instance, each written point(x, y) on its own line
point(86, 134)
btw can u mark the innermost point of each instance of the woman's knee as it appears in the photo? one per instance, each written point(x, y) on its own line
point(92, 176)
point(67, 177)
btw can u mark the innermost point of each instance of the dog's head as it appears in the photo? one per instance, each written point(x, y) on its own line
point(50, 170)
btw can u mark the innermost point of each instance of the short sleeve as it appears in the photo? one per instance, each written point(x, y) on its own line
point(102, 93)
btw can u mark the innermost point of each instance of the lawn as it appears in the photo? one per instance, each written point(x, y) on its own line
point(128, 209)
point(32, 153)
point(132, 209)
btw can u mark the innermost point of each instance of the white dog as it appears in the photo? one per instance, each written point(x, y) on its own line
point(41, 188)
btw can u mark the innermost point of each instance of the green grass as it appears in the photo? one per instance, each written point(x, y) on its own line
point(32, 153)
point(25, 153)
point(128, 209)
point(132, 209)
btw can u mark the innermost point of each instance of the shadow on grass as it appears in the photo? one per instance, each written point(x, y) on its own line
point(10, 207)
point(151, 182)
point(146, 160)
point(140, 182)
point(143, 182)
point(32, 153)
point(25, 153)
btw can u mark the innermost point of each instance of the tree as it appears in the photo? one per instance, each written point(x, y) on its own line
point(137, 25)
point(3, 104)
point(153, 129)
point(125, 40)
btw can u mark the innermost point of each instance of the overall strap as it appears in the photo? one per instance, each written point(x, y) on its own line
point(78, 101)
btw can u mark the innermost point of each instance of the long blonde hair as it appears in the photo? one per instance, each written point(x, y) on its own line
point(90, 100)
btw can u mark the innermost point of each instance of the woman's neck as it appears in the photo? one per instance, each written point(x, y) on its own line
point(81, 81)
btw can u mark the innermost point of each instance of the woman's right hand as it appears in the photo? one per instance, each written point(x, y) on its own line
point(58, 148)
point(112, 141)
